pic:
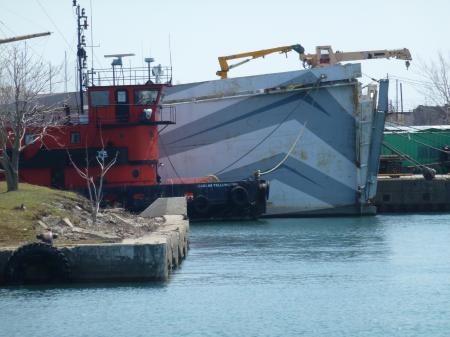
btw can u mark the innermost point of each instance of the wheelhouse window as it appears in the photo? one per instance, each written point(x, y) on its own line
point(145, 97)
point(99, 97)
point(75, 138)
point(122, 96)
point(30, 139)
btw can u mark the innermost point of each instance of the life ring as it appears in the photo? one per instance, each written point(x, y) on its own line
point(37, 263)
point(239, 196)
point(201, 204)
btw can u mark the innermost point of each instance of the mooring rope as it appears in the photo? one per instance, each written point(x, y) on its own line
point(300, 135)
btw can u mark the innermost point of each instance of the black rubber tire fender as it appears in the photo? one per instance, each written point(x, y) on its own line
point(428, 173)
point(239, 196)
point(56, 263)
point(265, 187)
point(201, 204)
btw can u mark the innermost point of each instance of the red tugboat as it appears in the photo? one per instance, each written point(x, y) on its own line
point(121, 124)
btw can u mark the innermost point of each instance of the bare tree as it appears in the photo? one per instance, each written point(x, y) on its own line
point(94, 180)
point(437, 90)
point(23, 78)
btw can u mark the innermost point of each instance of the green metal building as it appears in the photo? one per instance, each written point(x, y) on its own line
point(427, 145)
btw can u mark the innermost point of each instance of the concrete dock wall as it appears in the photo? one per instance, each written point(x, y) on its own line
point(413, 194)
point(150, 257)
point(117, 262)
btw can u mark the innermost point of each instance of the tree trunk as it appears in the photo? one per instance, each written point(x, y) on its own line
point(11, 176)
point(11, 166)
point(12, 181)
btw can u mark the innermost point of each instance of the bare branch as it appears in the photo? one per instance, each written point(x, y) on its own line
point(23, 80)
point(95, 189)
point(437, 72)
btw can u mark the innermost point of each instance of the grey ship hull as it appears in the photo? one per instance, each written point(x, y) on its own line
point(231, 128)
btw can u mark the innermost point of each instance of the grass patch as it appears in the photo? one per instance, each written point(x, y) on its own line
point(18, 226)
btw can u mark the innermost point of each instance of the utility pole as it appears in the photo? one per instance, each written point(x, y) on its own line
point(401, 96)
point(396, 94)
point(81, 52)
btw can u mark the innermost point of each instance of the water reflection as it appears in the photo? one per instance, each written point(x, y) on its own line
point(375, 276)
point(312, 239)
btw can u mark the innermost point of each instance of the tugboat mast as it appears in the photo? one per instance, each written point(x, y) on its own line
point(81, 52)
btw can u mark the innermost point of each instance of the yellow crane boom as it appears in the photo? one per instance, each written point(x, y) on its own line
point(324, 56)
point(223, 60)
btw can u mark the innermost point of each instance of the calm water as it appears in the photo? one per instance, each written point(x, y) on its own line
point(375, 276)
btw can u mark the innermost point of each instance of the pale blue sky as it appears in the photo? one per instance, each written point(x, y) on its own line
point(201, 30)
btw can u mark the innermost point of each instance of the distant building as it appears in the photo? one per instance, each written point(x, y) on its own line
point(422, 115)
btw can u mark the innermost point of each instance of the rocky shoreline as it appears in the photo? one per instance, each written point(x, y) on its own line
point(112, 225)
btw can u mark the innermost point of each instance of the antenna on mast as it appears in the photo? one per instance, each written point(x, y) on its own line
point(92, 44)
point(65, 71)
point(81, 52)
point(170, 60)
point(91, 72)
